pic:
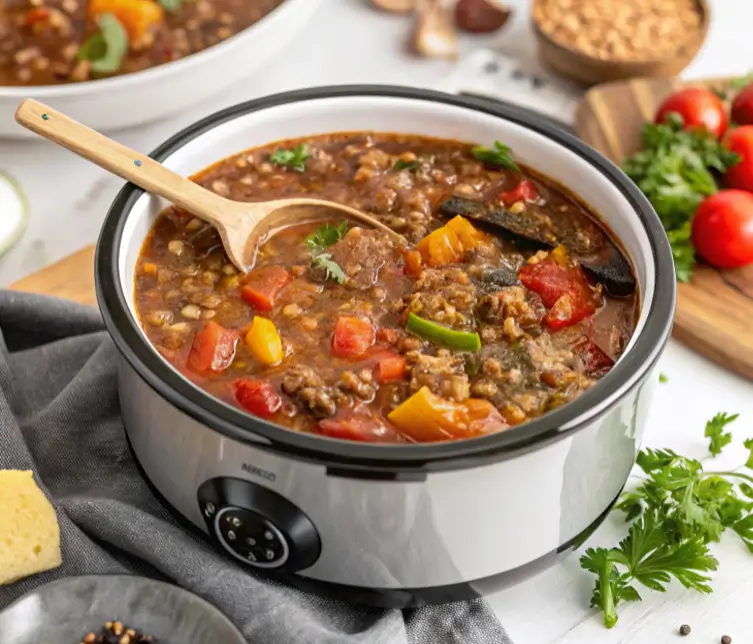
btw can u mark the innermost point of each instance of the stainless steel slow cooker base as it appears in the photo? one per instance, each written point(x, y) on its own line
point(441, 537)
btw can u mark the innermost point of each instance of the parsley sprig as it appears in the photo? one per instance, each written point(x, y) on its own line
point(106, 47)
point(674, 170)
point(500, 156)
point(294, 159)
point(324, 237)
point(676, 512)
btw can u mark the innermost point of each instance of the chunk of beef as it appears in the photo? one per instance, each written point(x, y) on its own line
point(362, 254)
point(446, 296)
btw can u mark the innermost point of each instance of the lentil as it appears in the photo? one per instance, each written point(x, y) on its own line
point(122, 635)
point(684, 630)
point(624, 30)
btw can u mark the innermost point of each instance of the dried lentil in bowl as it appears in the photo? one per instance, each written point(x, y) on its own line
point(620, 30)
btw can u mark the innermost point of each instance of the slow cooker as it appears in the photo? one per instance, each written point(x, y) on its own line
point(388, 525)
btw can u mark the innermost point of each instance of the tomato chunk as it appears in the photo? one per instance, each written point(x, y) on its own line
point(258, 397)
point(563, 288)
point(595, 361)
point(34, 16)
point(358, 427)
point(213, 349)
point(524, 191)
point(390, 367)
point(353, 337)
point(262, 287)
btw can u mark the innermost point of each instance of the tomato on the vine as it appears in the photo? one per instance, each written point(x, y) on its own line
point(698, 108)
point(742, 107)
point(722, 229)
point(740, 175)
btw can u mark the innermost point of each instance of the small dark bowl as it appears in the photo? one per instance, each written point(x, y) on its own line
point(64, 611)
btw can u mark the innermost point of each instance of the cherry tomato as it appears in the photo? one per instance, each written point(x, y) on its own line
point(740, 175)
point(722, 231)
point(698, 108)
point(742, 107)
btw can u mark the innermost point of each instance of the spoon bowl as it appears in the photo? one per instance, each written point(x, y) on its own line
point(241, 225)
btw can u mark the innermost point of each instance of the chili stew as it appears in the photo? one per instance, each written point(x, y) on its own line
point(49, 42)
point(510, 301)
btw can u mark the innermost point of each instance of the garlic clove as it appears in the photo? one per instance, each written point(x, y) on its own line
point(434, 34)
point(481, 16)
point(395, 6)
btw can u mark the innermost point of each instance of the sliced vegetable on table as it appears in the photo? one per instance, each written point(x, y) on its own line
point(14, 212)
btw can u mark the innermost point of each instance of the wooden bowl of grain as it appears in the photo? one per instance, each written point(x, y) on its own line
point(597, 41)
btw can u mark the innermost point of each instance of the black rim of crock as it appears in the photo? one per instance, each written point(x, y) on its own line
point(629, 372)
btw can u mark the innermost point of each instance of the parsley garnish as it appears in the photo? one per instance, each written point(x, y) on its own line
point(500, 155)
point(405, 165)
point(331, 269)
point(663, 378)
point(170, 5)
point(105, 48)
point(294, 159)
point(714, 431)
point(674, 171)
point(324, 237)
point(676, 512)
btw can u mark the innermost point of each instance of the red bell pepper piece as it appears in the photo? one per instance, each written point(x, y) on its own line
point(213, 349)
point(595, 361)
point(34, 16)
point(563, 288)
point(390, 367)
point(261, 287)
point(353, 337)
point(258, 397)
point(358, 427)
point(524, 191)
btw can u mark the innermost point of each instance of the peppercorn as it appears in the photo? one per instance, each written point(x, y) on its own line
point(726, 639)
point(117, 633)
point(684, 630)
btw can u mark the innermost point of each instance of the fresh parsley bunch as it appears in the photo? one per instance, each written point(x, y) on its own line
point(675, 170)
point(676, 512)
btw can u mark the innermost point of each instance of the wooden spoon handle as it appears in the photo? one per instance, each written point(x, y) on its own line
point(119, 159)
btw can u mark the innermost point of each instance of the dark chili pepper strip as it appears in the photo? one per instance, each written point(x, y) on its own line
point(433, 332)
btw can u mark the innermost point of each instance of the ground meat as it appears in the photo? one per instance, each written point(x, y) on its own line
point(522, 307)
point(359, 384)
point(446, 296)
point(444, 374)
point(362, 254)
point(303, 384)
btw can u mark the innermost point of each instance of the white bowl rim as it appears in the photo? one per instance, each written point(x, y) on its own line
point(155, 73)
point(628, 374)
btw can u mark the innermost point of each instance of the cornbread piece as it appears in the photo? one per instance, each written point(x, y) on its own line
point(29, 530)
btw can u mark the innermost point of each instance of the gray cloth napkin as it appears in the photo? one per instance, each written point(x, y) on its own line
point(59, 417)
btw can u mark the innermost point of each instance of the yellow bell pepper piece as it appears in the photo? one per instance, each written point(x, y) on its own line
point(440, 247)
point(469, 236)
point(138, 17)
point(264, 341)
point(426, 417)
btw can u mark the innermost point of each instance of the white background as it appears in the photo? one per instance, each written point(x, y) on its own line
point(348, 42)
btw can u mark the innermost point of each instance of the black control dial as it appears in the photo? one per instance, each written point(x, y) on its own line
point(258, 526)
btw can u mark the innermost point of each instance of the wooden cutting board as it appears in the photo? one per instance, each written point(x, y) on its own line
point(715, 310)
point(71, 278)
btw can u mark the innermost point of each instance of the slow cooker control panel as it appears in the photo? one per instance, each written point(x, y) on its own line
point(258, 526)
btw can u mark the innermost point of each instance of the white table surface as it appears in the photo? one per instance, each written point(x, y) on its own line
point(347, 42)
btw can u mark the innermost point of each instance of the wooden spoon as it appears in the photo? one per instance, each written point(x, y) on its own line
point(242, 225)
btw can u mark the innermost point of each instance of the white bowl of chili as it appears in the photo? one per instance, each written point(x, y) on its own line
point(413, 522)
point(159, 90)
